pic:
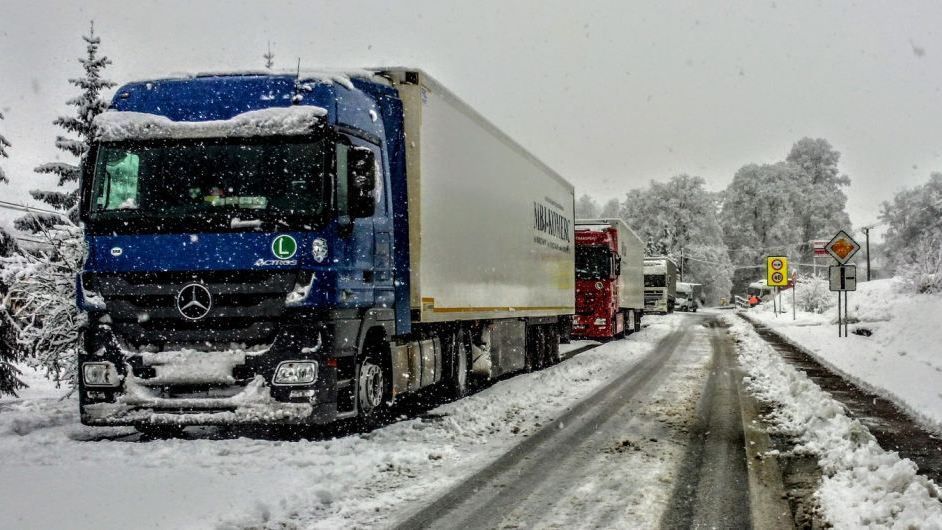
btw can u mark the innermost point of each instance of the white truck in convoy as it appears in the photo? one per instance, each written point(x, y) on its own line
point(660, 285)
point(689, 296)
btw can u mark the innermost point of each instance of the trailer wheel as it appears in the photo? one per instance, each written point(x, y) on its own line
point(459, 352)
point(638, 316)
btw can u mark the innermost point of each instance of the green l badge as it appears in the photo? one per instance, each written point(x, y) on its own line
point(284, 247)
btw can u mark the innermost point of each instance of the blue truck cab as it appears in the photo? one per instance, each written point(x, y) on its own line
point(253, 246)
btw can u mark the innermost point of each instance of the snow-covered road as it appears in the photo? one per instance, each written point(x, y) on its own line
point(608, 462)
point(54, 477)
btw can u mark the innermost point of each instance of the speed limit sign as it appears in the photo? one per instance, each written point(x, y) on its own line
point(776, 268)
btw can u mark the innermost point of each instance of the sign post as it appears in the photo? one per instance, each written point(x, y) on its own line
point(843, 277)
point(794, 288)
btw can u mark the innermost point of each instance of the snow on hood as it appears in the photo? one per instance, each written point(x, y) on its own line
point(113, 126)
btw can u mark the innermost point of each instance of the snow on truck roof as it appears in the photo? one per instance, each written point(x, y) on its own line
point(340, 76)
point(112, 126)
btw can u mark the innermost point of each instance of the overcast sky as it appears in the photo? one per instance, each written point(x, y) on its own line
point(610, 94)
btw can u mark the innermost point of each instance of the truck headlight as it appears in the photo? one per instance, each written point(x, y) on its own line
point(295, 373)
point(100, 374)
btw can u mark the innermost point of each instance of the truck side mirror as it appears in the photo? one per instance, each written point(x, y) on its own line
point(87, 167)
point(362, 182)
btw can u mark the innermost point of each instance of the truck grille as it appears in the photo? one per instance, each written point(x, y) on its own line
point(245, 306)
point(652, 297)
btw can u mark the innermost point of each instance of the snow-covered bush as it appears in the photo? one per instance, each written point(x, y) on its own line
point(88, 104)
point(39, 303)
point(923, 273)
point(814, 295)
point(914, 234)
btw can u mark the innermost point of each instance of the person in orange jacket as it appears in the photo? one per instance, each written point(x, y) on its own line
point(753, 301)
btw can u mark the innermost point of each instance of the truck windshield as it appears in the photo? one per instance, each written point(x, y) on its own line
point(199, 176)
point(593, 262)
point(654, 280)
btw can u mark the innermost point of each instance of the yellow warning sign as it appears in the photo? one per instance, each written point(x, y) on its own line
point(776, 269)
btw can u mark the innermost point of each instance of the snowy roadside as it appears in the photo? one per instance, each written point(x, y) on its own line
point(53, 479)
point(862, 485)
point(901, 360)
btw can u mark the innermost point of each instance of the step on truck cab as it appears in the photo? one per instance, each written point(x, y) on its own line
point(660, 285)
point(609, 279)
point(297, 249)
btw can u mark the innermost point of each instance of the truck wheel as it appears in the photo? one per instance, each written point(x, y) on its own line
point(459, 352)
point(638, 317)
point(552, 346)
point(371, 388)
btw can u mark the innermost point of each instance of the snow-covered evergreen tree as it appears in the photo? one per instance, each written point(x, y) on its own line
point(269, 58)
point(9, 348)
point(88, 104)
point(39, 297)
point(40, 284)
point(9, 353)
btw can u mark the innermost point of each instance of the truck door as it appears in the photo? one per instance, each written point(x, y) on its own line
point(374, 237)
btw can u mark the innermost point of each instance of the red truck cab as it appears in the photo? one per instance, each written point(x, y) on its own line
point(609, 277)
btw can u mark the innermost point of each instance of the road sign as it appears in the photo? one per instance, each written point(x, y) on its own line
point(842, 247)
point(776, 268)
point(844, 278)
point(818, 246)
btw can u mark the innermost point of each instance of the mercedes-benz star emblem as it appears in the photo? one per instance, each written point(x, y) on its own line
point(194, 301)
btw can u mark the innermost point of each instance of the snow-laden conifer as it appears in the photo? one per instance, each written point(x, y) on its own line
point(88, 104)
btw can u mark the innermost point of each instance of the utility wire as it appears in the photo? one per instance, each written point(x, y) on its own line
point(24, 208)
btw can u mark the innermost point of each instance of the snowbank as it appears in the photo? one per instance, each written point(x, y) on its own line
point(113, 126)
point(863, 486)
point(901, 360)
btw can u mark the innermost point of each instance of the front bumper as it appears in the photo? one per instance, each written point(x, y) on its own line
point(190, 387)
point(254, 405)
point(584, 327)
